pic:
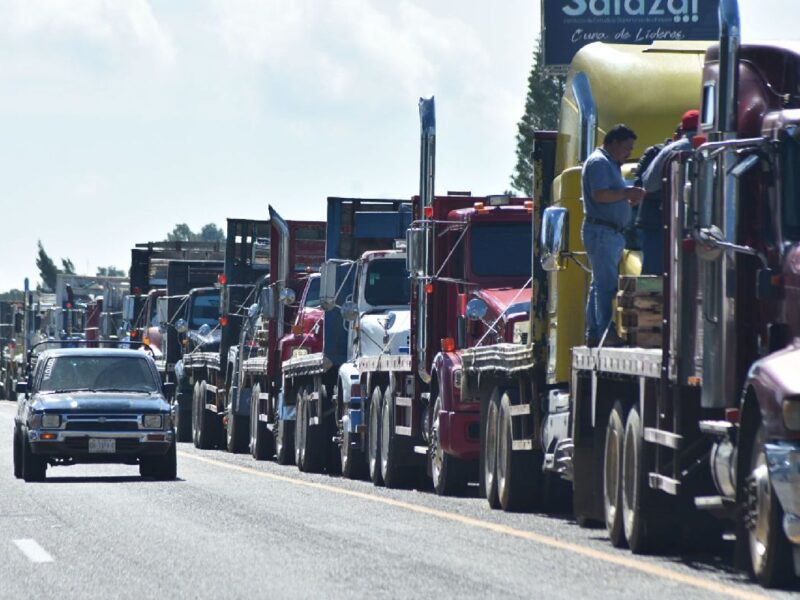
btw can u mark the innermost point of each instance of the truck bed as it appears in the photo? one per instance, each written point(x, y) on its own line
point(639, 362)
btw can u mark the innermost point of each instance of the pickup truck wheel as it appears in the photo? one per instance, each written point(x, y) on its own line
point(204, 436)
point(640, 528)
point(165, 468)
point(34, 467)
point(519, 472)
point(262, 444)
point(490, 449)
point(374, 437)
point(183, 417)
point(236, 432)
point(284, 437)
point(612, 476)
point(770, 552)
point(146, 467)
point(449, 473)
point(393, 474)
point(17, 453)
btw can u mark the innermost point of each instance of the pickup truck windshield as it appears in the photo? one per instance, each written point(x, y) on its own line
point(501, 249)
point(97, 373)
point(387, 283)
point(204, 311)
point(312, 295)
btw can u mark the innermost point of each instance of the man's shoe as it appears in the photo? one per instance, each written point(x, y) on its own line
point(613, 340)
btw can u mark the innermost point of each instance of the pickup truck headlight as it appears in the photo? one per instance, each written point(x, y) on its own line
point(153, 421)
point(51, 421)
point(791, 413)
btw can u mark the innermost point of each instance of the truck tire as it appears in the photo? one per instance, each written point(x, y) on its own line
point(490, 449)
point(165, 468)
point(183, 418)
point(204, 430)
point(612, 476)
point(639, 528)
point(195, 415)
point(262, 443)
point(284, 436)
point(519, 473)
point(769, 550)
point(374, 437)
point(449, 474)
point(34, 467)
point(17, 453)
point(309, 445)
point(351, 458)
point(236, 432)
point(394, 476)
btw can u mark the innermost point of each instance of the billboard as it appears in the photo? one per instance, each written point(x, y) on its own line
point(568, 25)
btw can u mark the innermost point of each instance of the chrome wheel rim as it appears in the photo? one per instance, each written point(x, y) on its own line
point(385, 434)
point(758, 505)
point(611, 475)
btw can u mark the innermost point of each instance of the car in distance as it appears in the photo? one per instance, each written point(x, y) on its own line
point(93, 405)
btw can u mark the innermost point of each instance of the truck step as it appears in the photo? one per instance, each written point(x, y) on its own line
point(521, 445)
point(212, 407)
point(711, 503)
point(519, 410)
point(662, 438)
point(313, 421)
point(314, 396)
point(402, 430)
point(402, 401)
point(721, 429)
point(211, 389)
point(664, 483)
point(420, 449)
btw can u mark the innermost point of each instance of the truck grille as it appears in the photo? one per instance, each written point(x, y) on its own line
point(125, 422)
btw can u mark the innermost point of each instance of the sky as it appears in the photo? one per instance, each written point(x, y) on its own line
point(122, 118)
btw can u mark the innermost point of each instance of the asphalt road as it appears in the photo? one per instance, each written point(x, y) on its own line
point(231, 527)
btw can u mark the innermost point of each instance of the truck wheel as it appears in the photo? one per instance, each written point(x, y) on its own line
point(166, 467)
point(770, 552)
point(393, 474)
point(146, 467)
point(490, 449)
point(308, 445)
point(204, 436)
point(236, 432)
point(352, 459)
point(17, 453)
point(519, 473)
point(195, 415)
point(183, 418)
point(639, 528)
point(284, 437)
point(612, 476)
point(34, 467)
point(262, 443)
point(449, 473)
point(374, 437)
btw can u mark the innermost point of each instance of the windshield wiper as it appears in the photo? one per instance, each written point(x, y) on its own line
point(125, 390)
point(67, 390)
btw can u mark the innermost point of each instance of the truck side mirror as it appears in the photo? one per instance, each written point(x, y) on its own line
point(168, 388)
point(555, 227)
point(416, 263)
point(327, 285)
point(162, 311)
point(287, 296)
point(129, 308)
point(21, 387)
point(181, 326)
point(350, 311)
point(267, 304)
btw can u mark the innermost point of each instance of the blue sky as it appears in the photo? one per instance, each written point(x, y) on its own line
point(121, 118)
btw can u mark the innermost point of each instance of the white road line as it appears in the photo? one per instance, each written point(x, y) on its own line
point(33, 551)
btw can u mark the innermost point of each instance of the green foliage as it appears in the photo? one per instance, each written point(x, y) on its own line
point(183, 233)
point(47, 268)
point(69, 268)
point(13, 295)
point(541, 113)
point(110, 271)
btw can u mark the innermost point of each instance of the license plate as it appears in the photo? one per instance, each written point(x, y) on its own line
point(102, 446)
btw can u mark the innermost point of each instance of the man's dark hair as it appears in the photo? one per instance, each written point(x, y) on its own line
point(618, 133)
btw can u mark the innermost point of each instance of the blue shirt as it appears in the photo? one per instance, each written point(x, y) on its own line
point(601, 172)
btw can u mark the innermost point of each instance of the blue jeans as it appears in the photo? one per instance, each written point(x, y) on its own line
point(604, 247)
point(652, 252)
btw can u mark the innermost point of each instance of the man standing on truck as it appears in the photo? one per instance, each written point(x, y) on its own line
point(649, 219)
point(607, 202)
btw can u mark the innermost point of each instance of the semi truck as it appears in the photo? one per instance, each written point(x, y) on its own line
point(306, 412)
point(11, 359)
point(416, 416)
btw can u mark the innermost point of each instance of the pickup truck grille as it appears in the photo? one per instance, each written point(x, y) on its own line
point(126, 422)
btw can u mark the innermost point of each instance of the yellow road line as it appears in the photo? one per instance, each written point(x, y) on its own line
point(623, 561)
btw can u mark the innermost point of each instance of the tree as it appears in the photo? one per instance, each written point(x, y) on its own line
point(110, 271)
point(69, 268)
point(183, 233)
point(212, 233)
point(541, 112)
point(47, 268)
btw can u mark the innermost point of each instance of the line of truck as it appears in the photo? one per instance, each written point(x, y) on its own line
point(438, 340)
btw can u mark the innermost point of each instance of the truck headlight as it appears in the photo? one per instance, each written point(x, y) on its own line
point(791, 413)
point(51, 421)
point(152, 421)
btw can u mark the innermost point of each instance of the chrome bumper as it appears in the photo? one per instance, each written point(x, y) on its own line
point(152, 436)
point(783, 459)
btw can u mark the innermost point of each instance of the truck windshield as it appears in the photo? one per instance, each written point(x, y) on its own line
point(791, 190)
point(98, 373)
point(204, 311)
point(501, 249)
point(312, 294)
point(387, 283)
